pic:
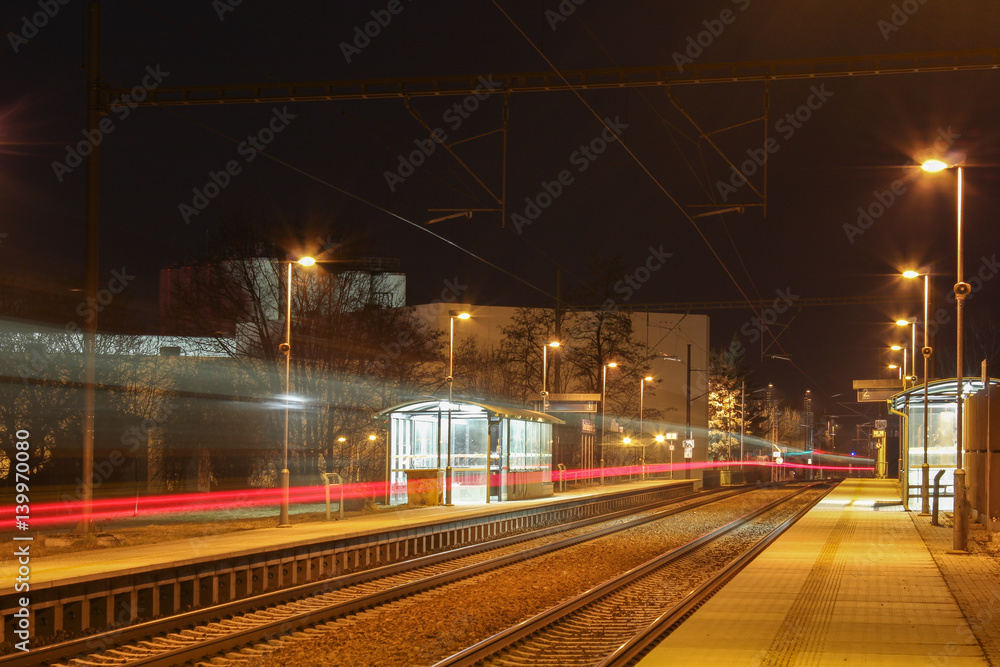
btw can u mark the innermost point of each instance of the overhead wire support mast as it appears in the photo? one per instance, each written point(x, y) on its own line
point(685, 306)
point(570, 80)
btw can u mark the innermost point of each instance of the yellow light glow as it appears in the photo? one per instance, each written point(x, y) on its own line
point(897, 348)
point(463, 316)
point(933, 165)
point(307, 261)
point(660, 438)
point(911, 274)
point(554, 343)
point(893, 366)
point(902, 323)
point(371, 437)
point(648, 378)
point(341, 439)
point(626, 440)
point(612, 365)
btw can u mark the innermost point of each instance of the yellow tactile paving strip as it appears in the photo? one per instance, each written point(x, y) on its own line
point(845, 586)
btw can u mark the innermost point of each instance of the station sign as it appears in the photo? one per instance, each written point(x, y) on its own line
point(878, 433)
point(882, 424)
point(587, 426)
point(878, 391)
point(689, 449)
point(669, 436)
point(876, 395)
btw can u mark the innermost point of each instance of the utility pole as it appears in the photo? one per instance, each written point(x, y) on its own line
point(558, 329)
point(92, 205)
point(687, 429)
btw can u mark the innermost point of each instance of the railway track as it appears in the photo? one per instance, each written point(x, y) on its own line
point(196, 635)
point(618, 621)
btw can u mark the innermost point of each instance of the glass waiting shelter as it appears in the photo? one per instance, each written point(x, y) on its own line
point(497, 452)
point(941, 437)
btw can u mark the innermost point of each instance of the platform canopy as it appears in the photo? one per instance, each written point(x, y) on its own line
point(434, 405)
point(938, 391)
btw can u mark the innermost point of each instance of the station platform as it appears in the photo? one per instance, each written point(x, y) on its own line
point(857, 581)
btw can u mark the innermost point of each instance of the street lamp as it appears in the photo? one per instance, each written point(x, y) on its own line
point(341, 440)
point(925, 477)
point(286, 349)
point(642, 387)
point(545, 377)
point(895, 367)
point(962, 289)
point(451, 381)
point(604, 398)
point(660, 439)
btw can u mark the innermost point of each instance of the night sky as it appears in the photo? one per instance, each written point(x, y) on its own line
point(861, 137)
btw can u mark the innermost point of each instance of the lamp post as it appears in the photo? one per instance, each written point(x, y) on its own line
point(900, 348)
point(545, 376)
point(743, 408)
point(286, 349)
point(627, 441)
point(962, 289)
point(604, 399)
point(896, 367)
point(925, 472)
point(451, 381)
point(642, 387)
point(912, 323)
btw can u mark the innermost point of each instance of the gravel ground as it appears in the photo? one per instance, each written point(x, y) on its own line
point(429, 627)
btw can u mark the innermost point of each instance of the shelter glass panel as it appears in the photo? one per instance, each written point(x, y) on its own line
point(517, 445)
point(941, 450)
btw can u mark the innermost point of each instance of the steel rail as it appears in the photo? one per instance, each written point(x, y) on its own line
point(112, 639)
point(280, 627)
point(510, 637)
